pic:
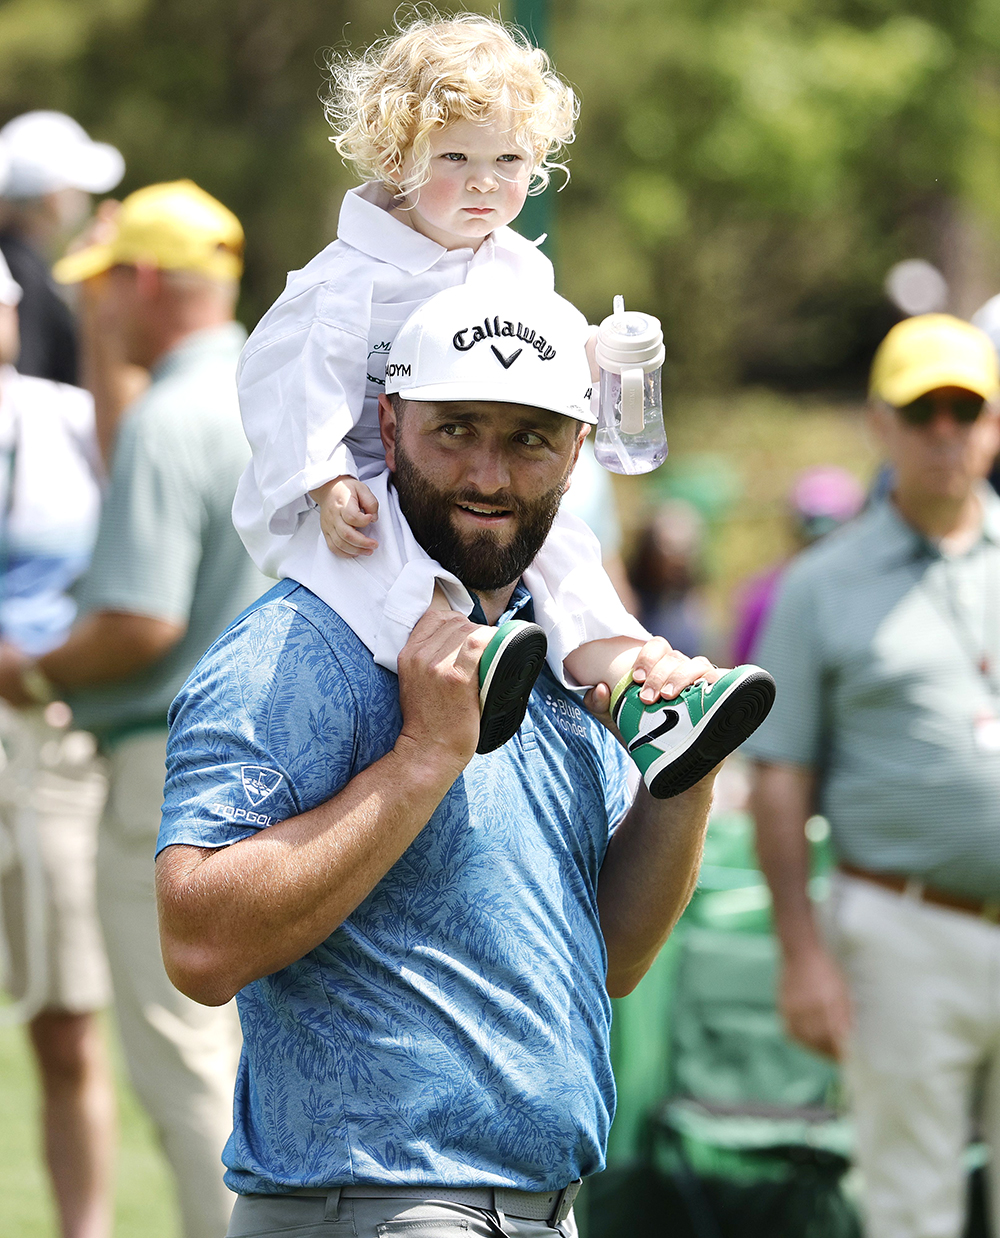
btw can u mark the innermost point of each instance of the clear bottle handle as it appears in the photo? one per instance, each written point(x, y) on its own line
point(633, 394)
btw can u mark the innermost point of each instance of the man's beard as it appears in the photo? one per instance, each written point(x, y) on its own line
point(480, 562)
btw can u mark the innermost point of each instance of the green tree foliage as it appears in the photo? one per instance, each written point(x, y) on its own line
point(752, 169)
point(748, 169)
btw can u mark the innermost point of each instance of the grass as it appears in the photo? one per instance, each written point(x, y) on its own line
point(144, 1197)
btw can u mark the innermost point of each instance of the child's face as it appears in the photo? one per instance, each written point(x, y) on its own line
point(478, 182)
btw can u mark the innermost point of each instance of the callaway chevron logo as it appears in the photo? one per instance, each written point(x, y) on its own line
point(502, 329)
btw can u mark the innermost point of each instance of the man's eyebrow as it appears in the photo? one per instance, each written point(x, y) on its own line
point(523, 417)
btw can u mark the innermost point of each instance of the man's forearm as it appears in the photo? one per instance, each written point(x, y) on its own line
point(781, 803)
point(812, 991)
point(231, 916)
point(647, 879)
point(108, 646)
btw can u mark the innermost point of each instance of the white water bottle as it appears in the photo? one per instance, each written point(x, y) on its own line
point(630, 435)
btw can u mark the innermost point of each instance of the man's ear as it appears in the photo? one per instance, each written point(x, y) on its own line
point(387, 429)
point(583, 432)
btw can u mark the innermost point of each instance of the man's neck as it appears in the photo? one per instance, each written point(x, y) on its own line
point(173, 336)
point(955, 522)
point(494, 602)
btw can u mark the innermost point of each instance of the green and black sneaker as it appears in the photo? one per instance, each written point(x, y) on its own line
point(676, 743)
point(508, 669)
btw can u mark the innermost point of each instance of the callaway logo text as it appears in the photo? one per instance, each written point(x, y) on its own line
point(491, 329)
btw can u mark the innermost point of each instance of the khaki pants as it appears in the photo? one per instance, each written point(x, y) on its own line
point(51, 782)
point(306, 1217)
point(925, 983)
point(181, 1056)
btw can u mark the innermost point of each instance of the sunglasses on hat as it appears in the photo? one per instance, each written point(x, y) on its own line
point(921, 412)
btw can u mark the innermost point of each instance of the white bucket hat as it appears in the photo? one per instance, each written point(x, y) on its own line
point(49, 151)
point(494, 342)
point(10, 289)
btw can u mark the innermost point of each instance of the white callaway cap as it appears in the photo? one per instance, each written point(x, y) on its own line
point(49, 151)
point(494, 342)
point(10, 289)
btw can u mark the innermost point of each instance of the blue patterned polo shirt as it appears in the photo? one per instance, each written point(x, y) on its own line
point(454, 1029)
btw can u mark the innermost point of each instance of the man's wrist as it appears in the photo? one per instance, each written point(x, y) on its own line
point(431, 768)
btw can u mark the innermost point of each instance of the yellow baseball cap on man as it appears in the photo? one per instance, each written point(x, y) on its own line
point(930, 351)
point(174, 226)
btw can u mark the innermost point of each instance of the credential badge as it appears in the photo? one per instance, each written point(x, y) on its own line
point(259, 783)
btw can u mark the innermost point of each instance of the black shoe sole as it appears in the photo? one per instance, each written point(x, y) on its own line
point(735, 721)
point(513, 676)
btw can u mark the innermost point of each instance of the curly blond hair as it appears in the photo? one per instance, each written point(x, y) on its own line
point(384, 105)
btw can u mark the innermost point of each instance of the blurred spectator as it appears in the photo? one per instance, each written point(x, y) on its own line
point(51, 787)
point(167, 575)
point(821, 500)
point(53, 168)
point(591, 496)
point(885, 645)
point(666, 574)
point(987, 318)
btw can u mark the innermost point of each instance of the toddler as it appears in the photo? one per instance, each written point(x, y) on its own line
point(450, 122)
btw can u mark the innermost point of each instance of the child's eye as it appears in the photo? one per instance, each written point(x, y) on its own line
point(454, 156)
point(509, 159)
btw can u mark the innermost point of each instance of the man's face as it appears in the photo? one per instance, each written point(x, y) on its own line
point(945, 457)
point(480, 483)
point(123, 312)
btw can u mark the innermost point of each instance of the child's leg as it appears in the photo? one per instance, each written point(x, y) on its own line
point(602, 661)
point(674, 739)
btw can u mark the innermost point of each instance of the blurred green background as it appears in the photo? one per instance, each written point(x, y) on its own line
point(746, 169)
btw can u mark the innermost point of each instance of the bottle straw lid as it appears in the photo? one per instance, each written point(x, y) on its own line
point(627, 339)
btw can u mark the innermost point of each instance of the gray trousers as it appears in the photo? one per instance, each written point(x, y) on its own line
point(299, 1216)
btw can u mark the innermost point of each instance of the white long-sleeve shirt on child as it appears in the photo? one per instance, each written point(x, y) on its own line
point(309, 380)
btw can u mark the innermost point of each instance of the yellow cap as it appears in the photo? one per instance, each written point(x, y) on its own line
point(929, 351)
point(174, 226)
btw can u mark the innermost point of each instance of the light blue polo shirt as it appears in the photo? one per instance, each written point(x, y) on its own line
point(454, 1029)
point(166, 546)
point(886, 654)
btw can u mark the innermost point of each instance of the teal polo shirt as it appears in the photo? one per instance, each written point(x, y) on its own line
point(886, 655)
point(166, 546)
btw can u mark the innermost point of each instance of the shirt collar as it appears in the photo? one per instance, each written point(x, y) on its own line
point(223, 341)
point(519, 599)
point(902, 540)
point(367, 224)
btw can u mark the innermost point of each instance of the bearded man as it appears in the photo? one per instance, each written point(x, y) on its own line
point(422, 940)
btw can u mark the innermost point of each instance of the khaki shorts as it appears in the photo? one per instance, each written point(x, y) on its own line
point(52, 789)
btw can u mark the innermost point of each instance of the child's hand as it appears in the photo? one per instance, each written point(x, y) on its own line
point(346, 506)
point(665, 672)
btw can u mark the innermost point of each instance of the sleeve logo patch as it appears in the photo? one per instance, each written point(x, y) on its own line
point(259, 783)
